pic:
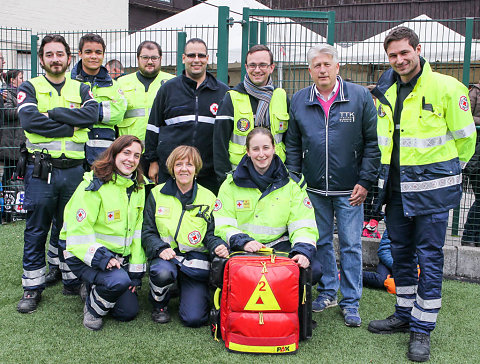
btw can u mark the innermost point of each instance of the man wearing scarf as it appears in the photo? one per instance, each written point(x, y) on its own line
point(252, 103)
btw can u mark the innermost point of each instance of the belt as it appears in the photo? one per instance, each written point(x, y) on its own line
point(61, 163)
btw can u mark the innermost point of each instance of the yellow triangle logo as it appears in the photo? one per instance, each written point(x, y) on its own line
point(262, 298)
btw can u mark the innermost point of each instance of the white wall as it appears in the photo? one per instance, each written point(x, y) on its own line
point(61, 15)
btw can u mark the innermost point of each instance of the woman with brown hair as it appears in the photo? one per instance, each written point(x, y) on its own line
point(177, 235)
point(102, 229)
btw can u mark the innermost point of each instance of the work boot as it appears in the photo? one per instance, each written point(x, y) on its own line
point(29, 301)
point(390, 325)
point(54, 275)
point(71, 290)
point(161, 315)
point(90, 321)
point(419, 346)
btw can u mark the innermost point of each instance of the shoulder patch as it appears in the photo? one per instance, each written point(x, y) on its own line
point(218, 205)
point(21, 97)
point(81, 214)
point(463, 103)
point(307, 202)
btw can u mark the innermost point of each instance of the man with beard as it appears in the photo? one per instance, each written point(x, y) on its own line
point(55, 113)
point(183, 113)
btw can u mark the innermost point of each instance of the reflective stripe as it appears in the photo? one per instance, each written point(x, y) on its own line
point(81, 239)
point(64, 266)
point(425, 143)
point(278, 138)
point(230, 234)
point(381, 182)
point(424, 316)
point(159, 293)
point(239, 139)
point(220, 221)
point(407, 289)
point(266, 230)
point(167, 239)
point(187, 248)
point(433, 184)
point(405, 302)
point(89, 100)
point(99, 143)
point(383, 140)
point(57, 145)
point(136, 268)
point(275, 242)
point(301, 224)
point(26, 104)
point(133, 113)
point(34, 273)
point(68, 276)
point(429, 304)
point(224, 117)
point(303, 239)
point(195, 263)
point(106, 109)
point(91, 252)
point(33, 282)
point(117, 240)
point(465, 132)
point(67, 254)
point(462, 164)
point(103, 301)
point(137, 234)
point(153, 128)
point(52, 249)
point(186, 118)
point(53, 260)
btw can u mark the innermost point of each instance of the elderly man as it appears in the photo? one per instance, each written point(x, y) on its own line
point(332, 140)
point(426, 134)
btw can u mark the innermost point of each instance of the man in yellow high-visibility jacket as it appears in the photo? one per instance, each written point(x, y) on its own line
point(426, 135)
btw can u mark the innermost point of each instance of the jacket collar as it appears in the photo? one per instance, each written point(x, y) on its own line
point(102, 78)
point(341, 97)
point(170, 188)
point(210, 82)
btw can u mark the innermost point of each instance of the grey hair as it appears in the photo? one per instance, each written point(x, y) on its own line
point(322, 48)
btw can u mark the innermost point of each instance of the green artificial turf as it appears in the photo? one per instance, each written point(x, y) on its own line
point(55, 334)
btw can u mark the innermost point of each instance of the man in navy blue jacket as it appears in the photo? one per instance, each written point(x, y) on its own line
point(332, 140)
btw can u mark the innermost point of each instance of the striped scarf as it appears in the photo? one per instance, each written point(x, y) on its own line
point(264, 95)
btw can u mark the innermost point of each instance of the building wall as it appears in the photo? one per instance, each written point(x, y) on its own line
point(50, 15)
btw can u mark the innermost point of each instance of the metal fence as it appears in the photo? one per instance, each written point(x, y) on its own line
point(447, 44)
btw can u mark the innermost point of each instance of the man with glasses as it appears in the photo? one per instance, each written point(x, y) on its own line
point(253, 102)
point(183, 113)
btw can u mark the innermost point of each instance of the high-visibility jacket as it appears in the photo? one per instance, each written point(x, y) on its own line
point(437, 138)
point(243, 123)
point(48, 98)
point(101, 221)
point(139, 103)
point(282, 212)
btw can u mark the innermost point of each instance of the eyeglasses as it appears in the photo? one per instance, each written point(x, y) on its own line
point(262, 66)
point(153, 58)
point(195, 55)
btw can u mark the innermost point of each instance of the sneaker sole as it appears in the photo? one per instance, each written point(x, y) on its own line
point(419, 358)
point(32, 311)
point(387, 332)
point(353, 325)
point(91, 328)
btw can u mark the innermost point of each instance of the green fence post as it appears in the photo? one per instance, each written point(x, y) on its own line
point(222, 54)
point(263, 33)
point(33, 55)
point(245, 34)
point(181, 40)
point(253, 34)
point(331, 27)
point(467, 53)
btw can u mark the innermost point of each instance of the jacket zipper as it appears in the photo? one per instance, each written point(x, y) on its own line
point(196, 120)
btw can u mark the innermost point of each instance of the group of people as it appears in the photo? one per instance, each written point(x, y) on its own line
point(236, 169)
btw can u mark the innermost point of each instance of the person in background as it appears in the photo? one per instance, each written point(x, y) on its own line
point(115, 68)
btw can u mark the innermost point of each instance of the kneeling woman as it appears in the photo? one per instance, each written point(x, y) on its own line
point(177, 236)
point(102, 229)
point(259, 205)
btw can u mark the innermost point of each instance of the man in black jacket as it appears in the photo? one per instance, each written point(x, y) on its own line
point(183, 113)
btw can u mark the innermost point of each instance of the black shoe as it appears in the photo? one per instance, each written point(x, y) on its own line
point(419, 347)
point(390, 325)
point(161, 315)
point(53, 276)
point(71, 290)
point(29, 301)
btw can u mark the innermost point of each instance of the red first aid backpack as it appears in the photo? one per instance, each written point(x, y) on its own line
point(259, 309)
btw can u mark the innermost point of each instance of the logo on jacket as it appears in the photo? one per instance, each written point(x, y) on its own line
point(218, 205)
point(163, 211)
point(347, 117)
point(243, 204)
point(81, 214)
point(113, 215)
point(281, 125)
point(307, 202)
point(243, 124)
point(214, 108)
point(21, 96)
point(195, 237)
point(463, 103)
point(381, 112)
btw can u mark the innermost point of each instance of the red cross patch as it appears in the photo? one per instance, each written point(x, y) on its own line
point(81, 214)
point(214, 108)
point(463, 103)
point(307, 202)
point(195, 237)
point(21, 96)
point(218, 205)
